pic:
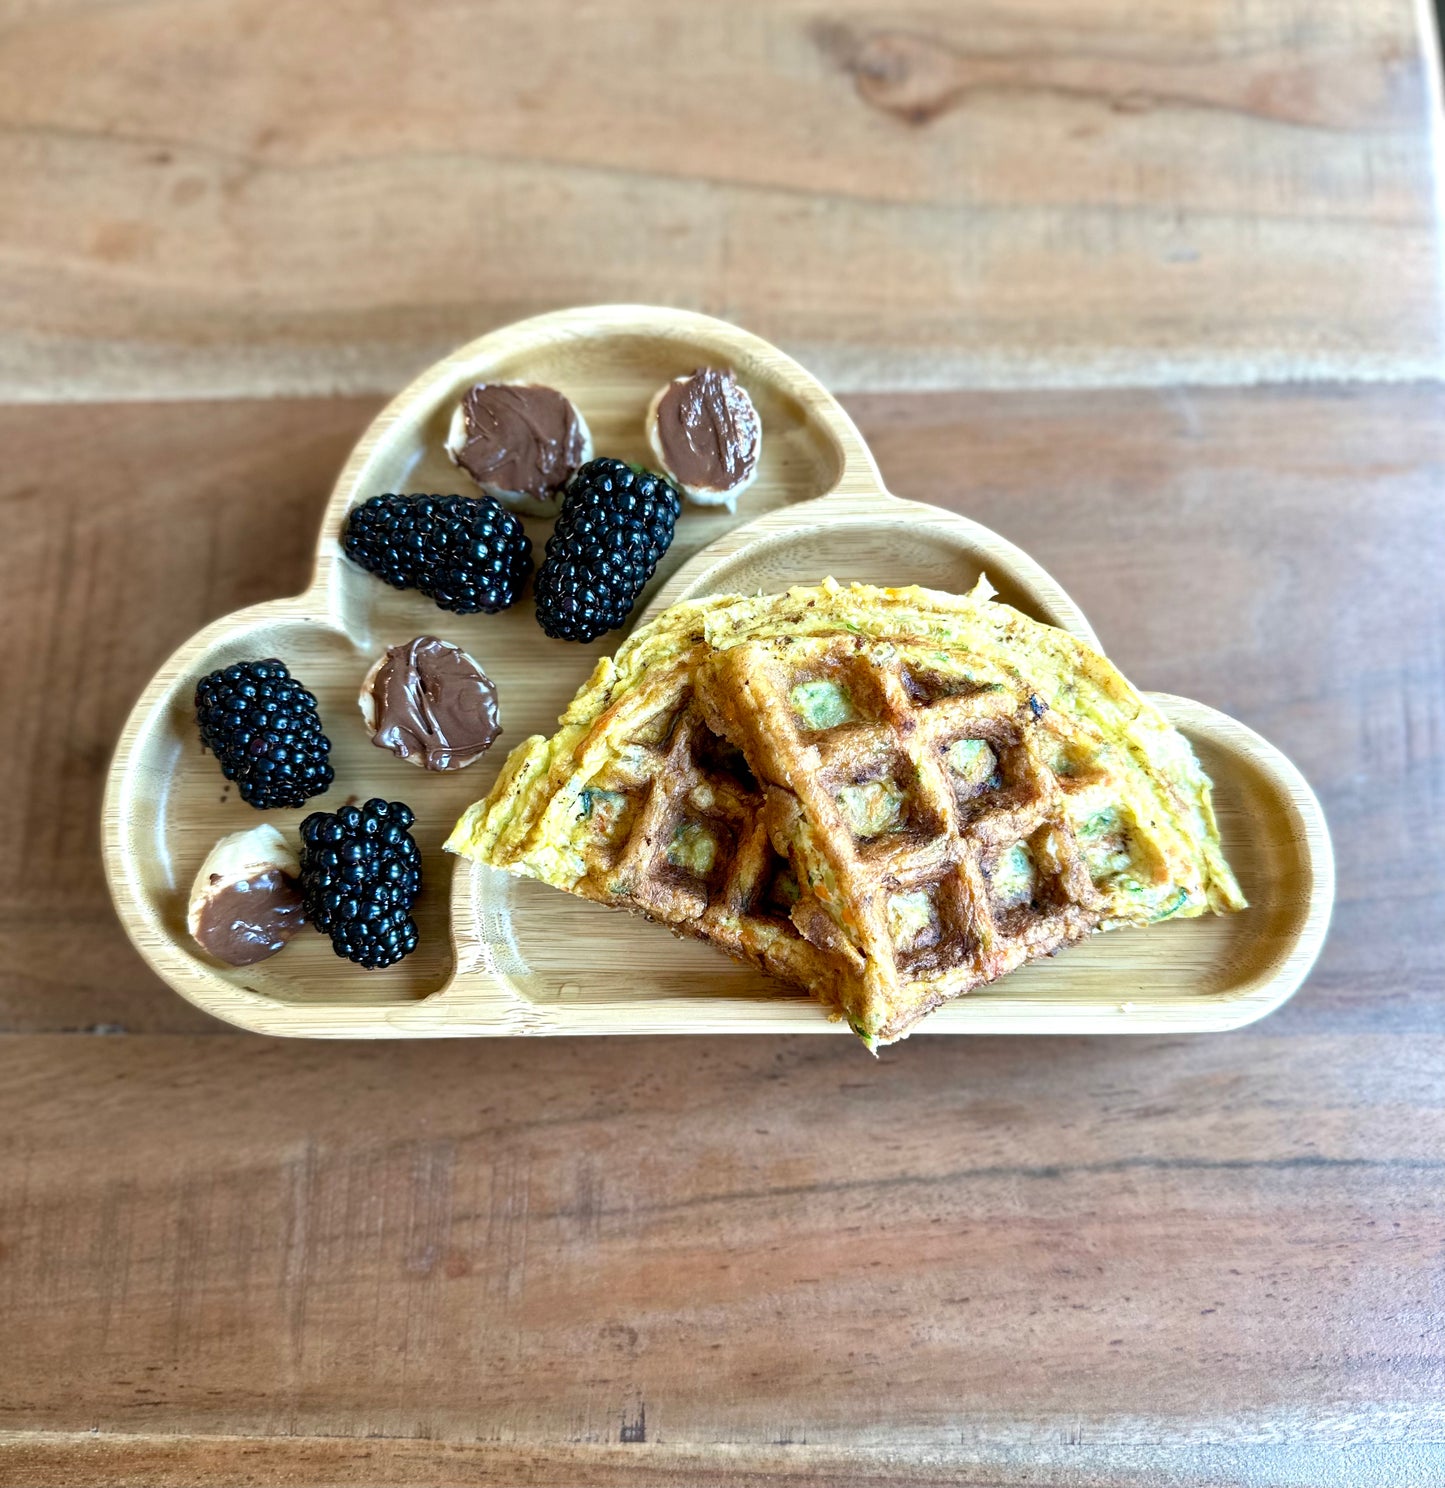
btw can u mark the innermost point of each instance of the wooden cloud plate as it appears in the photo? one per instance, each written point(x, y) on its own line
point(503, 956)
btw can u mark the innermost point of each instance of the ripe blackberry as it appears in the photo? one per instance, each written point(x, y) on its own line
point(360, 875)
point(262, 725)
point(467, 553)
point(616, 522)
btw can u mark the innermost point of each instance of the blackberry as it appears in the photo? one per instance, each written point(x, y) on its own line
point(466, 553)
point(262, 725)
point(360, 875)
point(616, 522)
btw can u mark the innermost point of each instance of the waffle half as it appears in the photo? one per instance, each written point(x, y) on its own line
point(888, 797)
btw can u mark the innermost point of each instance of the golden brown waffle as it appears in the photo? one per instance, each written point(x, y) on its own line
point(654, 813)
point(698, 857)
point(910, 819)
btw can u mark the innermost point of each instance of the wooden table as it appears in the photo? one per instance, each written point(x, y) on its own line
point(1153, 290)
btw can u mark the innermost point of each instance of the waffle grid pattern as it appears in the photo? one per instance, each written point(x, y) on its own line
point(947, 838)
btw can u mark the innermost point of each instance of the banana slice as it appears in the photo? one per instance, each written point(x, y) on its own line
point(245, 904)
point(707, 436)
point(520, 442)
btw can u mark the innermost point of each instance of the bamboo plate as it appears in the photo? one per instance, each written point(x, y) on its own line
point(503, 956)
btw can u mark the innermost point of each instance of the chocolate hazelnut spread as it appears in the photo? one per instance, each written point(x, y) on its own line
point(431, 700)
point(519, 437)
point(708, 430)
point(243, 922)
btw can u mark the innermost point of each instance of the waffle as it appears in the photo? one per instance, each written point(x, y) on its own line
point(933, 840)
point(662, 816)
point(886, 797)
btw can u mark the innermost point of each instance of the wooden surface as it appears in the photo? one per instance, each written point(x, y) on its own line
point(1072, 1261)
point(1163, 1261)
point(245, 197)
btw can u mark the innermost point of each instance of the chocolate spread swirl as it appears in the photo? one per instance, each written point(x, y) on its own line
point(519, 437)
point(433, 701)
point(244, 922)
point(709, 431)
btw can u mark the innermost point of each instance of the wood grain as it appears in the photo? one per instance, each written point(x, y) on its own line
point(167, 1461)
point(972, 1249)
point(244, 197)
point(1160, 1261)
